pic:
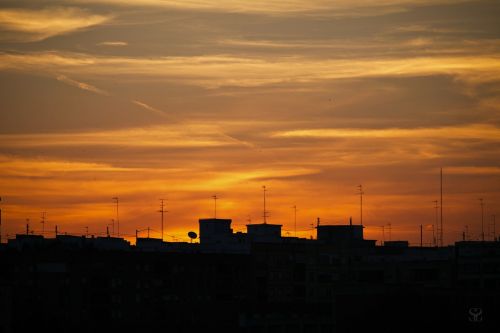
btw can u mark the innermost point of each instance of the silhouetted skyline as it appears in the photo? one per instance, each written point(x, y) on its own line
point(247, 282)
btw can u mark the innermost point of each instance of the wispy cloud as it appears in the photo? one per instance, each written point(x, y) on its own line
point(474, 131)
point(190, 135)
point(149, 108)
point(216, 71)
point(81, 85)
point(35, 25)
point(113, 43)
point(285, 7)
point(43, 166)
point(473, 170)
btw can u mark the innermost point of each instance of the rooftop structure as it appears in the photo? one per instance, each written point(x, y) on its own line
point(264, 232)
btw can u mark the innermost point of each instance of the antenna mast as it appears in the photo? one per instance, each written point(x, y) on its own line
point(482, 219)
point(215, 205)
point(295, 219)
point(265, 211)
point(494, 227)
point(441, 226)
point(162, 211)
point(43, 222)
point(117, 216)
point(361, 203)
point(421, 237)
point(383, 234)
point(435, 222)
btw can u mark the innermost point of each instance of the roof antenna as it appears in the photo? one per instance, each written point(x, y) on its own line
point(117, 217)
point(441, 207)
point(162, 211)
point(436, 221)
point(265, 211)
point(494, 227)
point(295, 219)
point(361, 203)
point(482, 218)
point(43, 222)
point(215, 205)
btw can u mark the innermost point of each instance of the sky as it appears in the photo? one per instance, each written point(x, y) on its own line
point(183, 100)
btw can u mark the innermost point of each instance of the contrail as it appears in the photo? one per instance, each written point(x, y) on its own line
point(150, 108)
point(182, 121)
point(82, 85)
point(158, 112)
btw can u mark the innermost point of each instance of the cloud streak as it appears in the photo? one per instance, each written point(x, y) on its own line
point(217, 71)
point(190, 135)
point(30, 25)
point(473, 131)
point(149, 108)
point(283, 7)
point(113, 43)
point(82, 85)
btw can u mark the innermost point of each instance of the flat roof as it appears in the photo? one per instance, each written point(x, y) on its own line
point(340, 226)
point(264, 225)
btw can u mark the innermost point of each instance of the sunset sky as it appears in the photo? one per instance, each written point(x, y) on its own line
point(181, 100)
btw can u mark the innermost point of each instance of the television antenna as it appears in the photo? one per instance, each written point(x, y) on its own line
point(265, 213)
point(215, 197)
point(117, 215)
point(43, 222)
point(360, 192)
point(162, 211)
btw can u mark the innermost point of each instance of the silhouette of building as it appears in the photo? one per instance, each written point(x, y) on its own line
point(257, 281)
point(264, 233)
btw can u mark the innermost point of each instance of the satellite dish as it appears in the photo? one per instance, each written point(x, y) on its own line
point(192, 235)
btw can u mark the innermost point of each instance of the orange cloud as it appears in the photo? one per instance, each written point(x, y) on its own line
point(281, 7)
point(188, 135)
point(217, 71)
point(473, 131)
point(81, 85)
point(37, 25)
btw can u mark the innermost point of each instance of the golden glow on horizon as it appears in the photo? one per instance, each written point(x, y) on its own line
point(148, 99)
